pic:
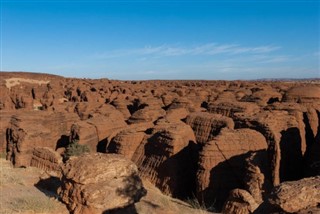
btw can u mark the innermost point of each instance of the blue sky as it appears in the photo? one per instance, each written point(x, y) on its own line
point(172, 39)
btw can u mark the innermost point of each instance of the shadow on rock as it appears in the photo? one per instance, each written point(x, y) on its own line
point(49, 186)
point(126, 210)
point(133, 188)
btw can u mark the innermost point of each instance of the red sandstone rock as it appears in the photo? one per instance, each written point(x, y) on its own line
point(240, 202)
point(294, 196)
point(221, 162)
point(284, 142)
point(165, 157)
point(31, 129)
point(287, 114)
point(96, 183)
point(206, 125)
point(126, 142)
point(47, 159)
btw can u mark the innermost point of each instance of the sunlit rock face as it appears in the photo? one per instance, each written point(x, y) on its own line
point(228, 143)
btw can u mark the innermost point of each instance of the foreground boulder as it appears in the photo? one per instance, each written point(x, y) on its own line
point(294, 196)
point(96, 183)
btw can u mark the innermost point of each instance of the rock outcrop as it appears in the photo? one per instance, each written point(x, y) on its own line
point(46, 159)
point(240, 202)
point(206, 125)
point(28, 130)
point(167, 157)
point(293, 196)
point(188, 138)
point(222, 160)
point(97, 183)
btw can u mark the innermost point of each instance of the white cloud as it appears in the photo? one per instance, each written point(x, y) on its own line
point(205, 49)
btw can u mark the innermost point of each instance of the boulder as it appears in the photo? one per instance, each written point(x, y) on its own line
point(98, 183)
point(293, 196)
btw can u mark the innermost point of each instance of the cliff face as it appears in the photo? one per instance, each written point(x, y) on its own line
point(188, 138)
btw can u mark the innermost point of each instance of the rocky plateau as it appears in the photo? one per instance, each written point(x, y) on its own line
point(232, 146)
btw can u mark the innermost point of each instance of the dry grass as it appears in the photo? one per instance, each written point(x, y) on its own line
point(195, 204)
point(33, 204)
point(18, 193)
point(8, 177)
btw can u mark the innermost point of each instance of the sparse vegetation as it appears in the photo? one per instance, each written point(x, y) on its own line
point(19, 193)
point(3, 154)
point(33, 204)
point(7, 176)
point(75, 149)
point(196, 204)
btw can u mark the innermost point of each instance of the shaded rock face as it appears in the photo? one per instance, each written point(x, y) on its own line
point(240, 202)
point(222, 161)
point(188, 138)
point(168, 159)
point(284, 137)
point(112, 182)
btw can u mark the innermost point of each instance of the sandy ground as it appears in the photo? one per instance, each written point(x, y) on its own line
point(16, 81)
point(18, 193)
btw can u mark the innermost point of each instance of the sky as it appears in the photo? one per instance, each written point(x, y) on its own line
point(168, 39)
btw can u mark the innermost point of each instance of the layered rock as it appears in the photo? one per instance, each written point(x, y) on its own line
point(104, 122)
point(147, 114)
point(126, 142)
point(182, 102)
point(303, 94)
point(263, 96)
point(221, 163)
point(167, 158)
point(46, 159)
point(294, 196)
point(122, 105)
point(108, 184)
point(229, 109)
point(28, 130)
point(284, 142)
point(142, 120)
point(206, 125)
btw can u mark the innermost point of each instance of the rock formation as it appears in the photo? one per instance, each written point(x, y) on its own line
point(229, 143)
point(167, 157)
point(222, 160)
point(206, 125)
point(294, 196)
point(46, 159)
point(97, 183)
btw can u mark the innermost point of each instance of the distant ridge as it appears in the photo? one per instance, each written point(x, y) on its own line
point(48, 75)
point(286, 79)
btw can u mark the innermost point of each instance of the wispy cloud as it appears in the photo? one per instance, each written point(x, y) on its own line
point(204, 49)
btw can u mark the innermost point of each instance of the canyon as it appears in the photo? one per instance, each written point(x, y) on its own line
point(234, 146)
